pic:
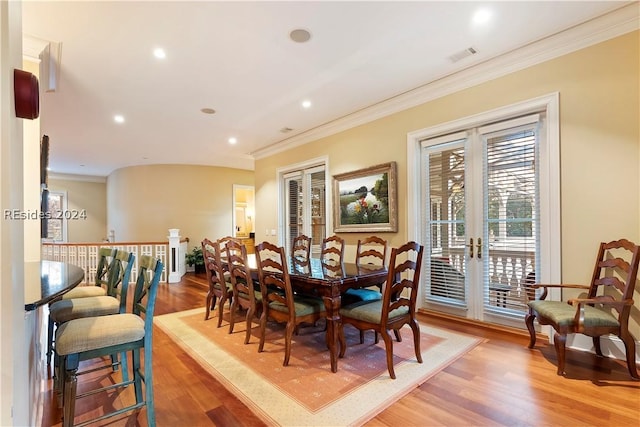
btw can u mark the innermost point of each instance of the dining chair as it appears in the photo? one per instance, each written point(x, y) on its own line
point(371, 252)
point(332, 256)
point(300, 254)
point(115, 302)
point(223, 244)
point(99, 288)
point(218, 280)
point(395, 309)
point(278, 300)
point(93, 337)
point(242, 285)
point(605, 310)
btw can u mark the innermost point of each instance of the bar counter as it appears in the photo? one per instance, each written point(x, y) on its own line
point(47, 280)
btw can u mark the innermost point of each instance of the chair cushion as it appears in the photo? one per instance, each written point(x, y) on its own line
point(92, 333)
point(370, 311)
point(303, 306)
point(563, 314)
point(69, 309)
point(363, 294)
point(229, 286)
point(85, 292)
point(258, 295)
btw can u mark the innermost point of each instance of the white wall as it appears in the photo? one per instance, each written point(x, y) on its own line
point(15, 404)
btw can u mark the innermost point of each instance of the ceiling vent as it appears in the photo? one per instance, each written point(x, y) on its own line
point(463, 54)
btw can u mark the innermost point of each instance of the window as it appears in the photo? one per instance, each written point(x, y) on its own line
point(57, 221)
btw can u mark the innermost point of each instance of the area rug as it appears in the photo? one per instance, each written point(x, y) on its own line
point(307, 393)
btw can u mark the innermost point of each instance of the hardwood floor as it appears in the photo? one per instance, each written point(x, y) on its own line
point(499, 383)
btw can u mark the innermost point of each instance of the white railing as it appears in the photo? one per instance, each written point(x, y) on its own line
point(85, 256)
point(506, 267)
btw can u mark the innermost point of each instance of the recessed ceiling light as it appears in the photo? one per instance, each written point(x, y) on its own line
point(208, 110)
point(118, 118)
point(481, 16)
point(306, 104)
point(159, 53)
point(232, 140)
point(300, 36)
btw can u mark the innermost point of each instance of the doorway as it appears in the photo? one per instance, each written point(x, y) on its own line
point(244, 211)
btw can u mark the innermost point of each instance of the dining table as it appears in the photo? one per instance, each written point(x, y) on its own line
point(318, 282)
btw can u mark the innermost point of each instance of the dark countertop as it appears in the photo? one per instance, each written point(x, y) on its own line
point(47, 280)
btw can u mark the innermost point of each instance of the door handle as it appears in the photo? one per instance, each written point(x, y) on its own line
point(470, 246)
point(479, 248)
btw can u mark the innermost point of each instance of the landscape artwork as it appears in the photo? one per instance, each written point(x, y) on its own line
point(364, 200)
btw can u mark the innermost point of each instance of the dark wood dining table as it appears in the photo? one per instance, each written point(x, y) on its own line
point(330, 289)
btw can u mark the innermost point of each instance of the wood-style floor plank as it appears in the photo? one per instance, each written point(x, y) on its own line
point(499, 383)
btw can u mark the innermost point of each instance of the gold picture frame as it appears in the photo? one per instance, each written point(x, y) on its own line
point(365, 200)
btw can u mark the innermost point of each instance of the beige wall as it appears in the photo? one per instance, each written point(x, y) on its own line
point(145, 201)
point(88, 196)
point(600, 147)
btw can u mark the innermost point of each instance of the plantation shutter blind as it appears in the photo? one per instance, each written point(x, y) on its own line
point(445, 196)
point(293, 197)
point(318, 207)
point(511, 212)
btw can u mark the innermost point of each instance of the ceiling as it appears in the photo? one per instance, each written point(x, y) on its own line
point(238, 59)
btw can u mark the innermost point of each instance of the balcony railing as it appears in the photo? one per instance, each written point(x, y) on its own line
point(85, 256)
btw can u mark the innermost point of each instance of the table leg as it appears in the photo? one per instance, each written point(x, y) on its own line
point(332, 306)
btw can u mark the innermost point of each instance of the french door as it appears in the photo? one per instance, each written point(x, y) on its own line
point(481, 211)
point(305, 206)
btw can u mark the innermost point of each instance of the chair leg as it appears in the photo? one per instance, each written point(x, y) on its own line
point(560, 341)
point(596, 346)
point(416, 339)
point(70, 365)
point(287, 341)
point(210, 303)
point(232, 314)
point(388, 345)
point(137, 379)
point(250, 314)
point(396, 332)
point(263, 330)
point(223, 300)
point(50, 331)
point(343, 341)
point(528, 320)
point(361, 336)
point(630, 349)
point(148, 384)
point(124, 366)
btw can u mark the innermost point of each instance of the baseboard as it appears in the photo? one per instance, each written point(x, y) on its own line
point(611, 345)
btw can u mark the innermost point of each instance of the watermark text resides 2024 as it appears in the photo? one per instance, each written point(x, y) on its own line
point(23, 215)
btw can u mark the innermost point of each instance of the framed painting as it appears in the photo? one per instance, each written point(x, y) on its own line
point(365, 200)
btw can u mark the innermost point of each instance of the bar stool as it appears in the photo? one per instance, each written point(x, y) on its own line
point(105, 263)
point(66, 310)
point(91, 337)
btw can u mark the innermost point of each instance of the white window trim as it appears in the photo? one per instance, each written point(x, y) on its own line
point(550, 249)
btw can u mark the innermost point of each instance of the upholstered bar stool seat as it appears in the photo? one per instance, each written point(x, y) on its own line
point(85, 292)
point(90, 333)
point(69, 309)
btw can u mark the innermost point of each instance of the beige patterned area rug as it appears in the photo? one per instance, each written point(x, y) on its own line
point(307, 393)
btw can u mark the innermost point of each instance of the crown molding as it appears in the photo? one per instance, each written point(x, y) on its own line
point(613, 24)
point(74, 177)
